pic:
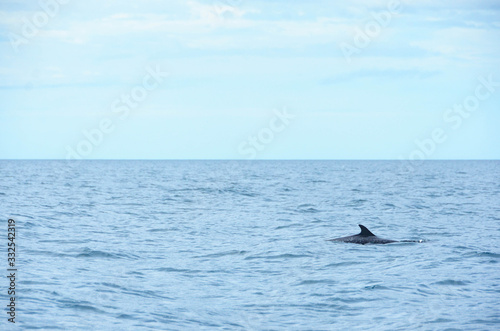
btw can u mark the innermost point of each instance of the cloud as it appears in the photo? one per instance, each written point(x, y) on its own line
point(461, 43)
point(216, 11)
point(379, 74)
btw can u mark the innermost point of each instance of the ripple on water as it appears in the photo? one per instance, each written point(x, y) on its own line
point(452, 282)
point(29, 225)
point(176, 270)
point(273, 257)
point(90, 253)
point(356, 203)
point(482, 254)
point(341, 264)
point(307, 208)
point(316, 281)
point(169, 229)
point(126, 316)
point(377, 287)
point(288, 226)
point(222, 254)
point(79, 305)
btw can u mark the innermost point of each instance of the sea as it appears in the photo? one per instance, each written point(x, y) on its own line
point(243, 245)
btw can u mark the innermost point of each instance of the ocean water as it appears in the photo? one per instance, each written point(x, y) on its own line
point(242, 245)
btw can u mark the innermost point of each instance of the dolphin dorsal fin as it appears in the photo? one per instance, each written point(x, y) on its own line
point(365, 232)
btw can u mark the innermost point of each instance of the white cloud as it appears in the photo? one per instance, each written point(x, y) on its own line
point(465, 43)
point(215, 12)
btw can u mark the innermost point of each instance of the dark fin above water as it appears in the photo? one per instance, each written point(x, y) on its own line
point(365, 232)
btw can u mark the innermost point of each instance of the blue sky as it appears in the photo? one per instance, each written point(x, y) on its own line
point(238, 79)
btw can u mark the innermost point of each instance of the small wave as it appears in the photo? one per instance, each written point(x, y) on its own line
point(43, 327)
point(281, 256)
point(168, 319)
point(357, 203)
point(89, 253)
point(340, 264)
point(49, 253)
point(34, 282)
point(135, 273)
point(307, 208)
point(131, 204)
point(316, 281)
point(80, 305)
point(287, 226)
point(417, 206)
point(87, 308)
point(412, 241)
point(164, 229)
point(163, 269)
point(226, 253)
point(240, 192)
point(452, 282)
point(115, 286)
point(96, 254)
point(439, 320)
point(376, 287)
point(23, 216)
point(145, 294)
point(482, 254)
point(62, 241)
point(347, 299)
point(493, 321)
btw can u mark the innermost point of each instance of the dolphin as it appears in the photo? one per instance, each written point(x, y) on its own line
point(367, 237)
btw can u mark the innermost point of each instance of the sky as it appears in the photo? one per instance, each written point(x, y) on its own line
point(241, 79)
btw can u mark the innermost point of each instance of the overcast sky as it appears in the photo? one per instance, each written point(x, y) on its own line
point(240, 79)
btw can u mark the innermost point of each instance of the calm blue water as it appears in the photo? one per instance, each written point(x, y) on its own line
point(197, 245)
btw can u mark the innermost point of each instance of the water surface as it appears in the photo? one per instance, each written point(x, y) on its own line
point(236, 245)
